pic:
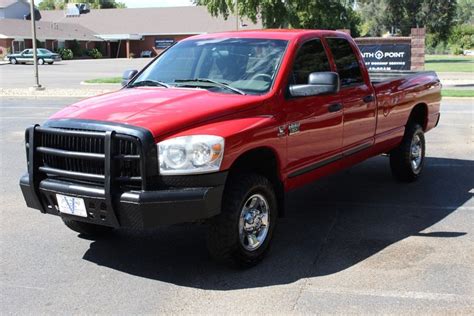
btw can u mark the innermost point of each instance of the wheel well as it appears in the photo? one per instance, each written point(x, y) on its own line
point(262, 161)
point(419, 115)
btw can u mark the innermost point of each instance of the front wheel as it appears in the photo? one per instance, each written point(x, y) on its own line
point(241, 234)
point(51, 62)
point(41, 61)
point(86, 229)
point(407, 160)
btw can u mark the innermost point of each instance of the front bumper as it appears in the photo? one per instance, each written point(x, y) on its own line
point(132, 209)
point(123, 188)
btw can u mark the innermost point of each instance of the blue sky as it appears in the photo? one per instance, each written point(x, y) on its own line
point(155, 3)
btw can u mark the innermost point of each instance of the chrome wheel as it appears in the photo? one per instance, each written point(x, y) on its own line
point(416, 153)
point(254, 222)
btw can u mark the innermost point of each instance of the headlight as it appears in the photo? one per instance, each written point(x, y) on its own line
point(190, 154)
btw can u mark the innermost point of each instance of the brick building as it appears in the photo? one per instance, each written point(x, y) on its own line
point(15, 30)
point(131, 31)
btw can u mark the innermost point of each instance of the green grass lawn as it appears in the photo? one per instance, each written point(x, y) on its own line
point(449, 63)
point(457, 93)
point(105, 80)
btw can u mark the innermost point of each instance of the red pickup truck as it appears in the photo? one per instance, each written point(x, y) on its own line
point(218, 128)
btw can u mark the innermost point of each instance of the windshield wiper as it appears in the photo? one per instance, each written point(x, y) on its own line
point(149, 83)
point(214, 82)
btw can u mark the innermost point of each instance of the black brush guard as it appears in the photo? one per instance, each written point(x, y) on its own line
point(114, 168)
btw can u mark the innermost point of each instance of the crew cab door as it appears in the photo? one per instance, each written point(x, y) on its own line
point(314, 123)
point(358, 96)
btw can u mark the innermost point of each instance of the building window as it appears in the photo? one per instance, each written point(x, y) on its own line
point(18, 46)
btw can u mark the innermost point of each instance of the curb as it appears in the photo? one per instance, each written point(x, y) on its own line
point(52, 93)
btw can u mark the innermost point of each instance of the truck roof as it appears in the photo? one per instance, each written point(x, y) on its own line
point(282, 34)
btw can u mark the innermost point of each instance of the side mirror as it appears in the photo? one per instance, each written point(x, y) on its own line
point(318, 83)
point(127, 76)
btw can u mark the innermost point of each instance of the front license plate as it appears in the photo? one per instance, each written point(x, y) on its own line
point(71, 205)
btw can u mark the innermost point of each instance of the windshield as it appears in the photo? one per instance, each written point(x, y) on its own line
point(243, 65)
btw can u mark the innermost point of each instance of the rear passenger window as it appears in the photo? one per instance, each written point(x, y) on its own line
point(346, 62)
point(311, 57)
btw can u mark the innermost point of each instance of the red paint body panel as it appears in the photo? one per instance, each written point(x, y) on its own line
point(249, 122)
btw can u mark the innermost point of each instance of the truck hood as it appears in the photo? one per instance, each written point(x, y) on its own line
point(160, 110)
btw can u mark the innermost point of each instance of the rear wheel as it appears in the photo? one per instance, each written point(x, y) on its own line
point(41, 61)
point(90, 230)
point(241, 234)
point(51, 62)
point(407, 160)
point(13, 61)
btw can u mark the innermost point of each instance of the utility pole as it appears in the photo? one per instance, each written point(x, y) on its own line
point(37, 85)
point(237, 15)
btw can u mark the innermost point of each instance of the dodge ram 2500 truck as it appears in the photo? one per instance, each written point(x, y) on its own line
point(218, 128)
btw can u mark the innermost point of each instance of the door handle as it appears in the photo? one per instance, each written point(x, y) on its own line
point(368, 98)
point(335, 107)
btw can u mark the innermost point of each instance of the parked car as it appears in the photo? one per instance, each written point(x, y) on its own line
point(218, 128)
point(26, 56)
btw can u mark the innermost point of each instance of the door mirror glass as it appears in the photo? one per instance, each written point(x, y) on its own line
point(128, 75)
point(326, 82)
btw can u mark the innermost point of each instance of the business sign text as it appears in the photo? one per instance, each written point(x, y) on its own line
point(386, 56)
point(162, 43)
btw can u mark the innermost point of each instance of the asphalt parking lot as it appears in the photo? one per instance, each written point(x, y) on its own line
point(67, 73)
point(356, 242)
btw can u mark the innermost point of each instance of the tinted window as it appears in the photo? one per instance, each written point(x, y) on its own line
point(346, 62)
point(311, 57)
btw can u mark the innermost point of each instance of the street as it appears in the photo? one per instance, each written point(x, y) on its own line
point(355, 242)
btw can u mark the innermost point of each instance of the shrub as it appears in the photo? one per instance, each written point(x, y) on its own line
point(456, 50)
point(94, 53)
point(462, 36)
point(65, 53)
point(76, 48)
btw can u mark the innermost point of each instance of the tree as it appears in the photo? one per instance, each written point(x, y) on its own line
point(330, 14)
point(94, 4)
point(438, 16)
point(51, 5)
point(465, 12)
point(373, 17)
point(324, 14)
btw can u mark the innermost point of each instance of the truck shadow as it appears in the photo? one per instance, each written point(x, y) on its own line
point(330, 226)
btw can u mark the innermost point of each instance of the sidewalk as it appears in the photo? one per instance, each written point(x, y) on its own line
point(457, 79)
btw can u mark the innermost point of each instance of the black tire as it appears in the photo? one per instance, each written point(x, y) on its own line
point(51, 62)
point(401, 158)
point(89, 230)
point(224, 239)
point(13, 61)
point(40, 61)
